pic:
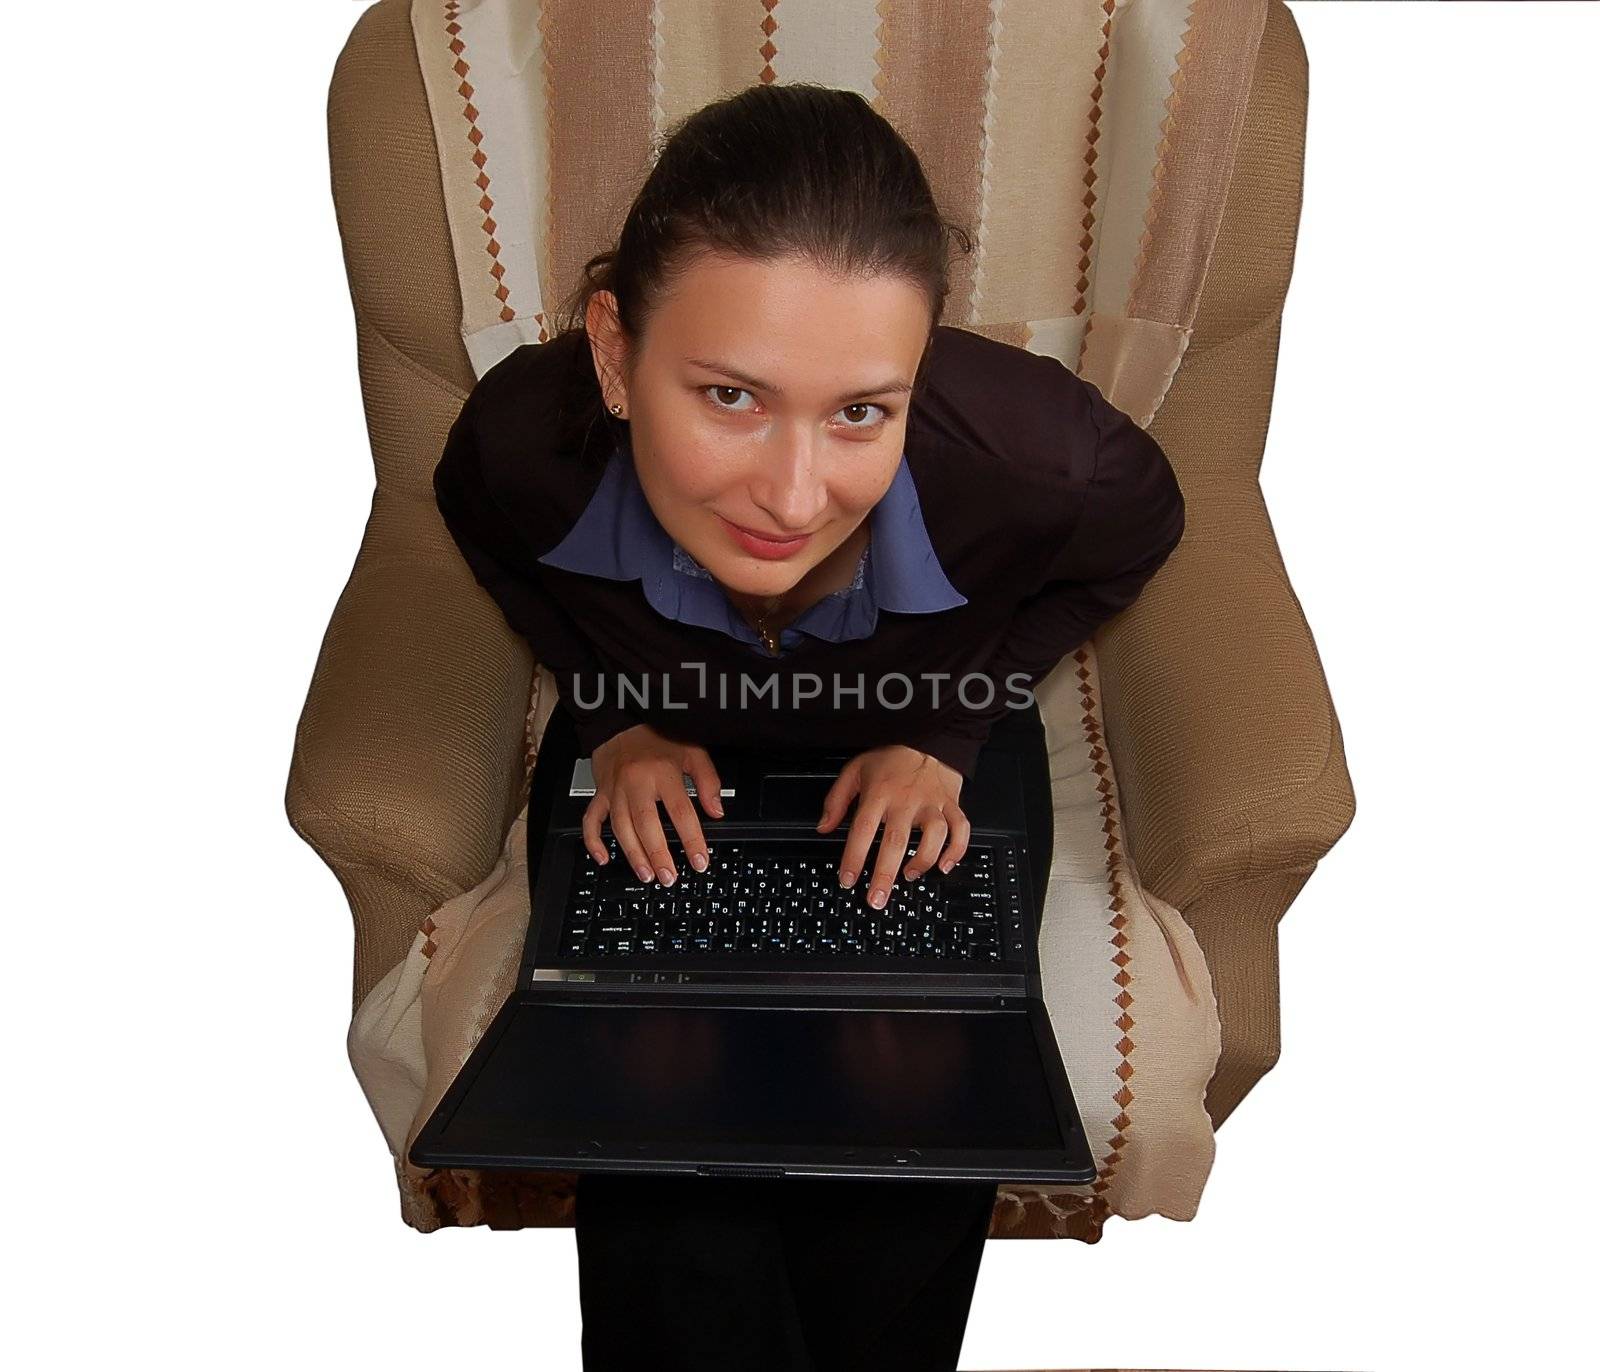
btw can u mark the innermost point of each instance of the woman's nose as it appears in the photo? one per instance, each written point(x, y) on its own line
point(793, 493)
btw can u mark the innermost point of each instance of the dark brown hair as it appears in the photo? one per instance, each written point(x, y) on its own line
point(774, 171)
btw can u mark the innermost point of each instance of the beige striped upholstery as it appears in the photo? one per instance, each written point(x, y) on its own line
point(1087, 147)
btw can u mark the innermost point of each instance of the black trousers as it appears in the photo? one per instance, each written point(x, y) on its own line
point(789, 1274)
point(785, 1274)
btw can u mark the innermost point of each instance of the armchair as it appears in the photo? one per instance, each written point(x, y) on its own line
point(412, 752)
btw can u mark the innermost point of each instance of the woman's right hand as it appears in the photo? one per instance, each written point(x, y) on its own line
point(634, 770)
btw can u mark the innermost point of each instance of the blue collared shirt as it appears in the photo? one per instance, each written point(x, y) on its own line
point(618, 536)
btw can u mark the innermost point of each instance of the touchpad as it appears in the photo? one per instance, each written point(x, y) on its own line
point(795, 795)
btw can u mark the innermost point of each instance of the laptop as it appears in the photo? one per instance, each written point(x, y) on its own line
point(758, 1020)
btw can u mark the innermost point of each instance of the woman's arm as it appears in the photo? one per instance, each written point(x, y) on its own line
point(1132, 518)
point(505, 567)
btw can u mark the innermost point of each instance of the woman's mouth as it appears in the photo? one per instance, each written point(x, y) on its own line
point(759, 544)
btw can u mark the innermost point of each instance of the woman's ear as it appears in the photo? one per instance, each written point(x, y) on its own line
point(608, 346)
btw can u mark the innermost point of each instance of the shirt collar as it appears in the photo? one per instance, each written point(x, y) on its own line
point(618, 536)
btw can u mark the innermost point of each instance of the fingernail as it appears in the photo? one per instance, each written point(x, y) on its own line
point(667, 875)
point(847, 878)
point(878, 898)
point(699, 861)
point(643, 871)
point(946, 865)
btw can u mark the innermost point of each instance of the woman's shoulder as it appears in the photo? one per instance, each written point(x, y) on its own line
point(1003, 434)
point(1004, 437)
point(536, 388)
point(538, 435)
point(1018, 414)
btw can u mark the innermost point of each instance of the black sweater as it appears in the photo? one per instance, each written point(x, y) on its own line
point(1048, 509)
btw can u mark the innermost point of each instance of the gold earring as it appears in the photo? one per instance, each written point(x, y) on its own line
point(616, 409)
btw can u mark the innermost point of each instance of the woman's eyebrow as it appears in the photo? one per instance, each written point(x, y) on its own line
point(894, 386)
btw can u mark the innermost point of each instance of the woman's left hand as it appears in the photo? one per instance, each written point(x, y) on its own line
point(899, 787)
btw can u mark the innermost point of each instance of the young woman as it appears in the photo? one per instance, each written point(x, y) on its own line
point(760, 495)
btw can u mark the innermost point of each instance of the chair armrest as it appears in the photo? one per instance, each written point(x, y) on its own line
point(1228, 753)
point(408, 756)
point(1227, 750)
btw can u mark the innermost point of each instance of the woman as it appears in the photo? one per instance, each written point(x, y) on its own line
point(759, 494)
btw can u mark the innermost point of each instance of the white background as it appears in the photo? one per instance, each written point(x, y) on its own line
point(192, 1168)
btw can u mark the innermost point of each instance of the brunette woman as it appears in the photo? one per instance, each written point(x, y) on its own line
point(755, 492)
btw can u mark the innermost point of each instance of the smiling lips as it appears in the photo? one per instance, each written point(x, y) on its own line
point(764, 545)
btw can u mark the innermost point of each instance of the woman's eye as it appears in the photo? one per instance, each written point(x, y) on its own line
point(863, 405)
point(712, 392)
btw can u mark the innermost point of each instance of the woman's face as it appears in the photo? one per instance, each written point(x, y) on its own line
point(771, 397)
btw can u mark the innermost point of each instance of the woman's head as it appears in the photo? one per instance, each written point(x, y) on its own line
point(768, 306)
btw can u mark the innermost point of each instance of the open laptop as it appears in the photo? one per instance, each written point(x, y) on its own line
point(757, 1020)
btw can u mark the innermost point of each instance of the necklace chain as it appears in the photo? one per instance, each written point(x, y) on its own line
point(769, 638)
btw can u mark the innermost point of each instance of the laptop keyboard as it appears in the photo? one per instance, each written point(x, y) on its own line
point(782, 897)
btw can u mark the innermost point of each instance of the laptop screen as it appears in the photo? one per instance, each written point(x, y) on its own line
point(747, 1075)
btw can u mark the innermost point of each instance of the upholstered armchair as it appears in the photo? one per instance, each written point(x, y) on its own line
point(410, 757)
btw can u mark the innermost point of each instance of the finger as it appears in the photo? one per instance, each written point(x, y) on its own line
point(647, 824)
point(892, 848)
point(707, 784)
point(593, 839)
point(684, 819)
point(960, 835)
point(836, 804)
point(627, 839)
point(930, 841)
point(863, 828)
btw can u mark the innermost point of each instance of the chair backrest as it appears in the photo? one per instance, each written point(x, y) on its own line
point(1087, 145)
